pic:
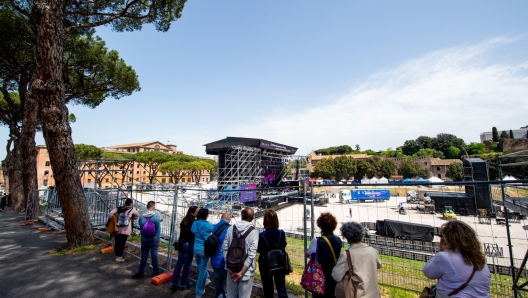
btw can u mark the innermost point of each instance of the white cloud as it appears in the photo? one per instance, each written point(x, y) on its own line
point(462, 90)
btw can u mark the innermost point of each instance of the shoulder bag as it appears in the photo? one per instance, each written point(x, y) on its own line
point(433, 292)
point(313, 279)
point(348, 287)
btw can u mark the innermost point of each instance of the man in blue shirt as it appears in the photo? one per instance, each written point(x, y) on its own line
point(217, 260)
point(149, 242)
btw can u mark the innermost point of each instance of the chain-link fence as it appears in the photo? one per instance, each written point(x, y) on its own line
point(383, 209)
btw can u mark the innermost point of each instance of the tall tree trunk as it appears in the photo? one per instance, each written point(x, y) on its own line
point(14, 169)
point(28, 148)
point(47, 87)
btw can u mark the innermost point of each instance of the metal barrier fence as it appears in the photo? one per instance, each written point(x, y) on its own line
point(402, 258)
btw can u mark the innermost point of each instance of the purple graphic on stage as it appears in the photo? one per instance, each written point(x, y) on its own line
point(248, 193)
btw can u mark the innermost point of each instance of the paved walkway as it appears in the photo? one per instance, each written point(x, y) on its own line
point(28, 269)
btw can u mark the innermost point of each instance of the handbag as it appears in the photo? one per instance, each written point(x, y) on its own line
point(176, 245)
point(313, 279)
point(433, 292)
point(348, 287)
point(288, 266)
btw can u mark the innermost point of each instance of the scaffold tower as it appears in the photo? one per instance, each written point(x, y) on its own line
point(241, 166)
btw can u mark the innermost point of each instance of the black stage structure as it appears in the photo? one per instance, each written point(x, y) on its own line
point(476, 196)
point(247, 161)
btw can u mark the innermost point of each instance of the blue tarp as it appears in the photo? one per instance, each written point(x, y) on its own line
point(408, 180)
point(421, 180)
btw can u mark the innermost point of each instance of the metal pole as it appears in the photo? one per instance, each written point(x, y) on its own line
point(305, 234)
point(47, 207)
point(510, 247)
point(312, 212)
point(174, 217)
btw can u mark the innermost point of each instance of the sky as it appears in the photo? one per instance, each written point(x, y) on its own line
point(314, 74)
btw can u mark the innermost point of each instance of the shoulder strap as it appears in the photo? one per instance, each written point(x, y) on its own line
point(200, 234)
point(464, 285)
point(251, 228)
point(331, 248)
point(221, 229)
point(349, 261)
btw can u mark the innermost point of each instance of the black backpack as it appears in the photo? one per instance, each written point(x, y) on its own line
point(236, 253)
point(212, 242)
point(275, 257)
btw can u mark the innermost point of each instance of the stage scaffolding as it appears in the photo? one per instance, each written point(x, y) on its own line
point(242, 165)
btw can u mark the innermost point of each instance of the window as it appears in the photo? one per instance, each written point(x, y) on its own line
point(129, 179)
point(107, 180)
point(138, 166)
point(46, 173)
point(438, 168)
point(144, 172)
point(89, 180)
point(137, 179)
point(157, 148)
point(162, 180)
point(425, 162)
point(137, 172)
point(89, 172)
point(47, 163)
point(45, 182)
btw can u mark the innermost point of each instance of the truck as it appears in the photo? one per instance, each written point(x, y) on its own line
point(361, 196)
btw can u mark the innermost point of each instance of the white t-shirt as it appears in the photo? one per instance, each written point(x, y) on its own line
point(451, 271)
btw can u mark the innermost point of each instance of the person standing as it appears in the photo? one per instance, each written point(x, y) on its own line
point(364, 258)
point(271, 238)
point(201, 229)
point(328, 247)
point(217, 260)
point(125, 215)
point(185, 251)
point(149, 222)
point(3, 202)
point(239, 284)
point(350, 211)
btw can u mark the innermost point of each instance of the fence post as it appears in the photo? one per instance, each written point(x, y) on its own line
point(172, 229)
point(48, 195)
point(510, 247)
point(305, 234)
point(312, 212)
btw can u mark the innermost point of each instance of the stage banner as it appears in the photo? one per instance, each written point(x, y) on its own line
point(248, 193)
point(371, 194)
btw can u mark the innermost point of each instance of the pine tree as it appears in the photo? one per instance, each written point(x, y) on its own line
point(511, 134)
point(495, 134)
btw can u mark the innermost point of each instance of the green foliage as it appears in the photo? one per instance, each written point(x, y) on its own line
point(410, 169)
point(370, 152)
point(430, 152)
point(152, 160)
point(475, 148)
point(368, 167)
point(358, 148)
point(94, 73)
point(196, 168)
point(511, 135)
point(339, 150)
point(344, 167)
point(387, 168)
point(324, 169)
point(453, 152)
point(454, 171)
point(495, 147)
point(443, 141)
point(410, 147)
point(424, 142)
point(504, 135)
point(83, 151)
point(495, 134)
point(393, 153)
point(175, 170)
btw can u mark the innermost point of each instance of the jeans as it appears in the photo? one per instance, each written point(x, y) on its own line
point(119, 244)
point(220, 276)
point(145, 248)
point(201, 263)
point(267, 284)
point(185, 257)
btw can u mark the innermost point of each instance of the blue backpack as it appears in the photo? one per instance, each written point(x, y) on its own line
point(149, 229)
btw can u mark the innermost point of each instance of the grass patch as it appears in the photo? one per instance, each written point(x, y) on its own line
point(65, 250)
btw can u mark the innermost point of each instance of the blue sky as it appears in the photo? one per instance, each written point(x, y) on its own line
point(314, 74)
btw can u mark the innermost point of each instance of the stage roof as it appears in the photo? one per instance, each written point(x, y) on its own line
point(224, 145)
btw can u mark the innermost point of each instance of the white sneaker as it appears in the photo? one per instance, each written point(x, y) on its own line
point(207, 281)
point(120, 260)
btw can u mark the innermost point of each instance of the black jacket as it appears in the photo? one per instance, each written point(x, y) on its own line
point(185, 232)
point(326, 259)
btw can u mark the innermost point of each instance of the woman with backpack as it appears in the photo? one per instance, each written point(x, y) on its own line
point(125, 215)
point(327, 248)
point(201, 229)
point(185, 251)
point(269, 239)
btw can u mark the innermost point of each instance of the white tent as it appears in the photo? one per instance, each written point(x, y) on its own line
point(383, 180)
point(435, 179)
point(365, 180)
point(374, 180)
